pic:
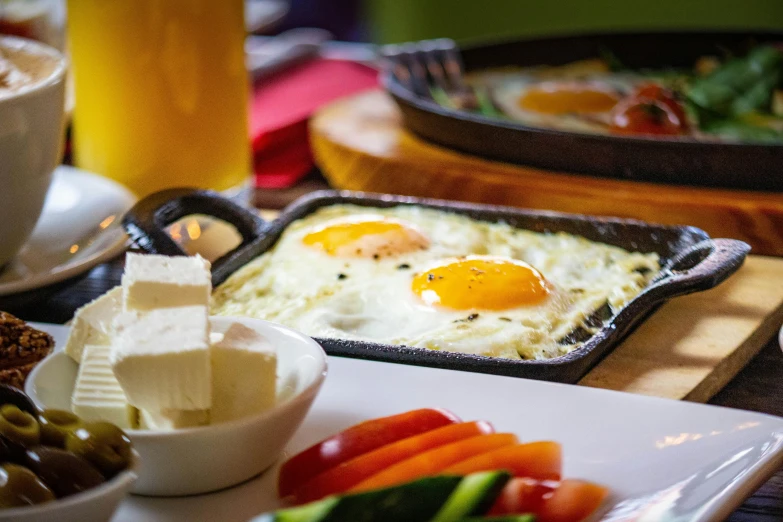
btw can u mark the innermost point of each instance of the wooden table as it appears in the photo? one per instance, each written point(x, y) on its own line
point(759, 387)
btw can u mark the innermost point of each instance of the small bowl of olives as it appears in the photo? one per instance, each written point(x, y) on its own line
point(54, 466)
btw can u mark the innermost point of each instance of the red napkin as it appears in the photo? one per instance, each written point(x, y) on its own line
point(281, 106)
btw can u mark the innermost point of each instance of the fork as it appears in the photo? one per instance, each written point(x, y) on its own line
point(432, 69)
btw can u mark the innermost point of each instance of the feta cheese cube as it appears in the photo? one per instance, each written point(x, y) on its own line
point(153, 281)
point(162, 359)
point(168, 420)
point(92, 323)
point(244, 366)
point(97, 394)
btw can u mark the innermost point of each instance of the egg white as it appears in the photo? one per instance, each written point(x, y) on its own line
point(507, 89)
point(371, 299)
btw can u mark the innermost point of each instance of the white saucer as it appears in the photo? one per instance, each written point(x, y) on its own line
point(80, 227)
point(263, 15)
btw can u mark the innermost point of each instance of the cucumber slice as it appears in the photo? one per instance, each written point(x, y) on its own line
point(474, 496)
point(313, 512)
point(503, 518)
point(413, 502)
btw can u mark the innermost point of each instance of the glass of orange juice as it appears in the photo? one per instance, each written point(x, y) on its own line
point(161, 92)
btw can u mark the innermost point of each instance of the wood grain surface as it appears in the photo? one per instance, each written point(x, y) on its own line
point(692, 346)
point(359, 144)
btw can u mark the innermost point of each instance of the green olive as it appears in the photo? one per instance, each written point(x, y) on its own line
point(20, 487)
point(63, 472)
point(56, 424)
point(103, 445)
point(19, 426)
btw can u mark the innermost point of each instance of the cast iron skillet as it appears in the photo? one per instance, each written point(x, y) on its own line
point(691, 260)
point(677, 161)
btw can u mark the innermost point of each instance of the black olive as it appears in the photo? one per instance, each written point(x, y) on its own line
point(63, 472)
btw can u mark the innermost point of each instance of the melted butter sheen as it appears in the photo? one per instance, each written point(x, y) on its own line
point(479, 282)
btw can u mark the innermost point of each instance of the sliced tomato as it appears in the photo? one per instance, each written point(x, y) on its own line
point(537, 460)
point(355, 441)
point(341, 478)
point(568, 501)
point(572, 501)
point(522, 495)
point(435, 461)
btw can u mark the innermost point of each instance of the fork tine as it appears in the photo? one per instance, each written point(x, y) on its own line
point(418, 70)
point(429, 51)
point(454, 66)
point(399, 59)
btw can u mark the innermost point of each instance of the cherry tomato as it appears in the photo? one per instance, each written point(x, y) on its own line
point(650, 110)
point(522, 495)
point(666, 96)
point(572, 501)
point(567, 501)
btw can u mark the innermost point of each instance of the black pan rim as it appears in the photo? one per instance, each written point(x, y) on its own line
point(566, 368)
point(402, 94)
point(290, 213)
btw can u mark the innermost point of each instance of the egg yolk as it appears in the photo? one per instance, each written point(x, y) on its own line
point(370, 237)
point(481, 282)
point(568, 98)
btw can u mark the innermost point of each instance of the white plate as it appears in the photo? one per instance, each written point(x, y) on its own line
point(78, 229)
point(663, 460)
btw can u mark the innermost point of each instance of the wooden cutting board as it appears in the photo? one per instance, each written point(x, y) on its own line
point(692, 346)
point(359, 144)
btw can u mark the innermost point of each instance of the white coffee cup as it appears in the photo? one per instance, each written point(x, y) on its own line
point(32, 124)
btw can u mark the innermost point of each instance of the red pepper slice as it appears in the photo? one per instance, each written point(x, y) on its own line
point(355, 441)
point(538, 460)
point(341, 478)
point(435, 461)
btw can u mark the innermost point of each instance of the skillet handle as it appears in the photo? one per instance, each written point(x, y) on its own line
point(703, 266)
point(147, 220)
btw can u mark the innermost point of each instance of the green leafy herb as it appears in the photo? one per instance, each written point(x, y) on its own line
point(611, 59)
point(484, 102)
point(486, 107)
point(739, 86)
point(742, 130)
point(441, 98)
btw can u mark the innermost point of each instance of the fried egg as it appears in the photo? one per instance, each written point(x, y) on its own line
point(430, 279)
point(580, 103)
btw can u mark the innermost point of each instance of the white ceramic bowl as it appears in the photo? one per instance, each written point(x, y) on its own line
point(199, 460)
point(94, 505)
